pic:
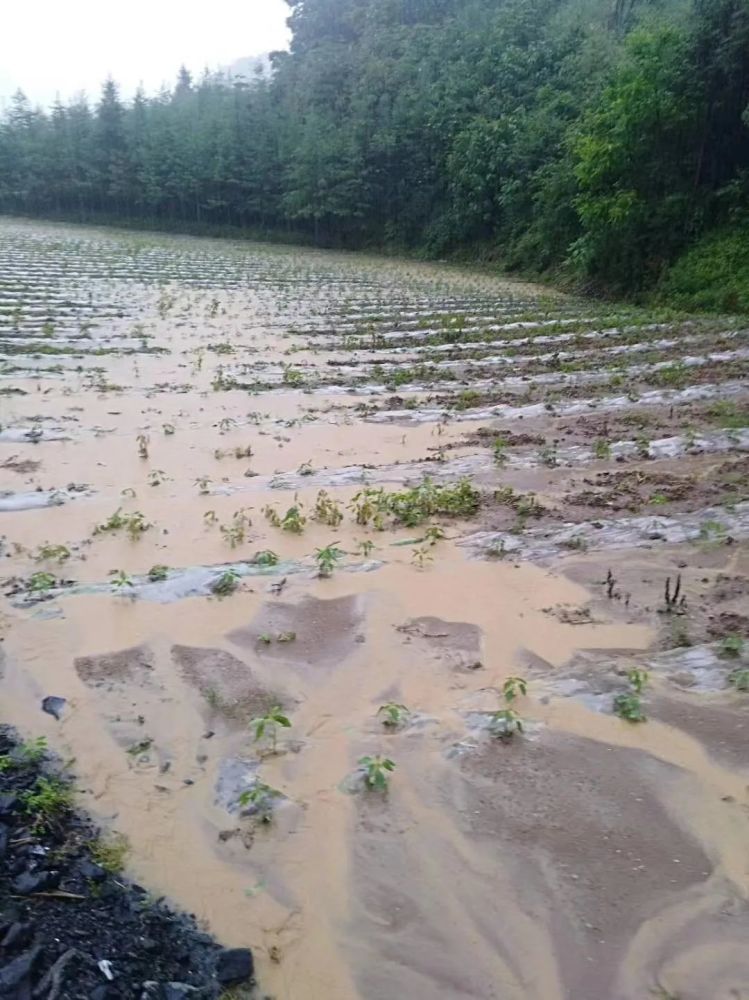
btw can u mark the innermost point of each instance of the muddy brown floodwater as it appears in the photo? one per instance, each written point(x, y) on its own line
point(500, 507)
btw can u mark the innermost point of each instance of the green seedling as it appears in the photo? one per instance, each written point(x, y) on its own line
point(157, 477)
point(143, 442)
point(158, 573)
point(365, 547)
point(47, 802)
point(505, 724)
point(327, 559)
point(305, 469)
point(732, 646)
point(109, 852)
point(627, 705)
point(394, 715)
point(30, 753)
point(421, 557)
point(514, 686)
point(52, 553)
point(602, 449)
point(225, 584)
point(267, 725)
point(226, 424)
point(638, 679)
point(500, 451)
point(293, 378)
point(327, 510)
point(434, 534)
point(120, 579)
point(740, 679)
point(293, 520)
point(40, 582)
point(376, 772)
point(210, 518)
point(265, 558)
point(204, 485)
point(134, 524)
point(259, 799)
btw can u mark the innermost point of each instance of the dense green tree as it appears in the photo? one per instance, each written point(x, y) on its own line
point(599, 136)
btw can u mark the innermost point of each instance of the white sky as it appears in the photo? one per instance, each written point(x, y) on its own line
point(65, 46)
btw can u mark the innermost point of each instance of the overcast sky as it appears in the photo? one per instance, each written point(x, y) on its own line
point(65, 46)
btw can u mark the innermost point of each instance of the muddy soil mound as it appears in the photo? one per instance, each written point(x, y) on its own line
point(72, 930)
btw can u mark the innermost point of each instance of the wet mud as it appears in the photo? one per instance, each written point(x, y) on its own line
point(371, 498)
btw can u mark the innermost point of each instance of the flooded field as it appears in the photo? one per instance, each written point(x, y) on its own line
point(480, 543)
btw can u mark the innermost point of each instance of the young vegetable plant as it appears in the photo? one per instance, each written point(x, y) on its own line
point(732, 646)
point(52, 553)
point(143, 442)
point(120, 579)
point(40, 582)
point(627, 705)
point(740, 679)
point(265, 558)
point(365, 547)
point(393, 714)
point(514, 686)
point(259, 799)
point(158, 573)
point(327, 559)
point(376, 772)
point(225, 584)
point(505, 723)
point(204, 485)
point(267, 725)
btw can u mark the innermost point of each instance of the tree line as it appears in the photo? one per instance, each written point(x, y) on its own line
point(600, 138)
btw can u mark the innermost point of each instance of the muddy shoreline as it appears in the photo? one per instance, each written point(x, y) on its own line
point(71, 926)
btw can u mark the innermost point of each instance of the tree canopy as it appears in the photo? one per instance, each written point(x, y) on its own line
point(603, 136)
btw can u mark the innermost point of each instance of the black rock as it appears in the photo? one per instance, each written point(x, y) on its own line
point(53, 705)
point(91, 871)
point(9, 915)
point(28, 882)
point(103, 992)
point(15, 976)
point(17, 936)
point(234, 965)
point(177, 991)
point(9, 803)
point(3, 840)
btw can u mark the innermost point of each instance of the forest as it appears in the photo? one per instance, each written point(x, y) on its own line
point(603, 143)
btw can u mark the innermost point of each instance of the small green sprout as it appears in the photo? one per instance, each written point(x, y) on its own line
point(394, 714)
point(732, 646)
point(259, 800)
point(638, 678)
point(268, 724)
point(40, 582)
point(120, 579)
point(158, 573)
point(376, 771)
point(327, 559)
point(225, 584)
point(512, 687)
point(266, 557)
point(505, 723)
point(52, 553)
point(627, 705)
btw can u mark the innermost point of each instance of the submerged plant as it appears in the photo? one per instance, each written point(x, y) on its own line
point(266, 557)
point(267, 725)
point(52, 553)
point(505, 723)
point(732, 646)
point(158, 573)
point(327, 510)
point(376, 772)
point(40, 582)
point(259, 799)
point(327, 559)
point(394, 715)
point(225, 584)
point(627, 705)
point(120, 579)
point(514, 686)
point(143, 442)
